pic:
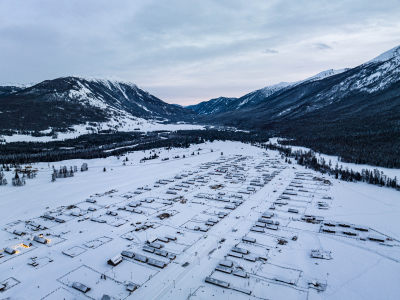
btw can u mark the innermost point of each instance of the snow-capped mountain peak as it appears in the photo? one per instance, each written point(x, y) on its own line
point(325, 74)
point(223, 104)
point(268, 90)
point(388, 55)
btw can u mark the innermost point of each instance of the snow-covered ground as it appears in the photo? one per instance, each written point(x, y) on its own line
point(123, 124)
point(244, 220)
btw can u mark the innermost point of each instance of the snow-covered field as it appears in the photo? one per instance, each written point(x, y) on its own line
point(242, 225)
point(123, 124)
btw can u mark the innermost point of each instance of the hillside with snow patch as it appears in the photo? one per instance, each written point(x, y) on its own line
point(63, 104)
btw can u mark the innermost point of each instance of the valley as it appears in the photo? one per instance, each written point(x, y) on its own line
point(197, 150)
point(352, 112)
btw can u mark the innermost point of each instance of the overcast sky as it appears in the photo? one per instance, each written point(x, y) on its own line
point(187, 51)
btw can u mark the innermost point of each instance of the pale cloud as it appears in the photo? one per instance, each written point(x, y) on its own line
point(184, 51)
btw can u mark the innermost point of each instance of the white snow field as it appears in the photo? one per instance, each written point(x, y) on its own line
point(241, 224)
point(122, 124)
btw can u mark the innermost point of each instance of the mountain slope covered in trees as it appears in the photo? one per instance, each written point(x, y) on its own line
point(64, 102)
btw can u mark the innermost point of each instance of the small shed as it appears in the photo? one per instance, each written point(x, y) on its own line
point(40, 239)
point(226, 263)
point(156, 263)
point(116, 260)
point(217, 282)
point(248, 239)
point(80, 287)
point(131, 287)
point(129, 254)
point(10, 250)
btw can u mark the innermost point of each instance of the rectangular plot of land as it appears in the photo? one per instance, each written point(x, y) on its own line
point(9, 283)
point(145, 211)
point(107, 200)
point(36, 225)
point(86, 206)
point(248, 266)
point(256, 250)
point(275, 291)
point(13, 224)
point(131, 216)
point(194, 225)
point(18, 226)
point(279, 274)
point(39, 262)
point(60, 293)
point(92, 279)
point(63, 217)
point(139, 249)
point(263, 289)
point(115, 221)
point(174, 247)
point(54, 240)
point(20, 249)
point(200, 218)
point(187, 238)
point(132, 236)
point(215, 204)
point(132, 271)
point(290, 210)
point(303, 225)
point(153, 205)
point(183, 237)
point(263, 239)
point(75, 212)
point(74, 251)
point(43, 222)
point(93, 244)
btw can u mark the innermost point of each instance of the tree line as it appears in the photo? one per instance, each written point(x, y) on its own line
point(116, 143)
point(310, 160)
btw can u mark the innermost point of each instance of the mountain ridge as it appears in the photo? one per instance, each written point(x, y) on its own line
point(67, 101)
point(226, 104)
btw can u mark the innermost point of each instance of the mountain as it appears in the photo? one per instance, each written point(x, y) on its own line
point(354, 113)
point(213, 106)
point(224, 104)
point(68, 101)
point(345, 92)
point(392, 55)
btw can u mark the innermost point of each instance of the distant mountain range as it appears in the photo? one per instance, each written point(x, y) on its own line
point(223, 104)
